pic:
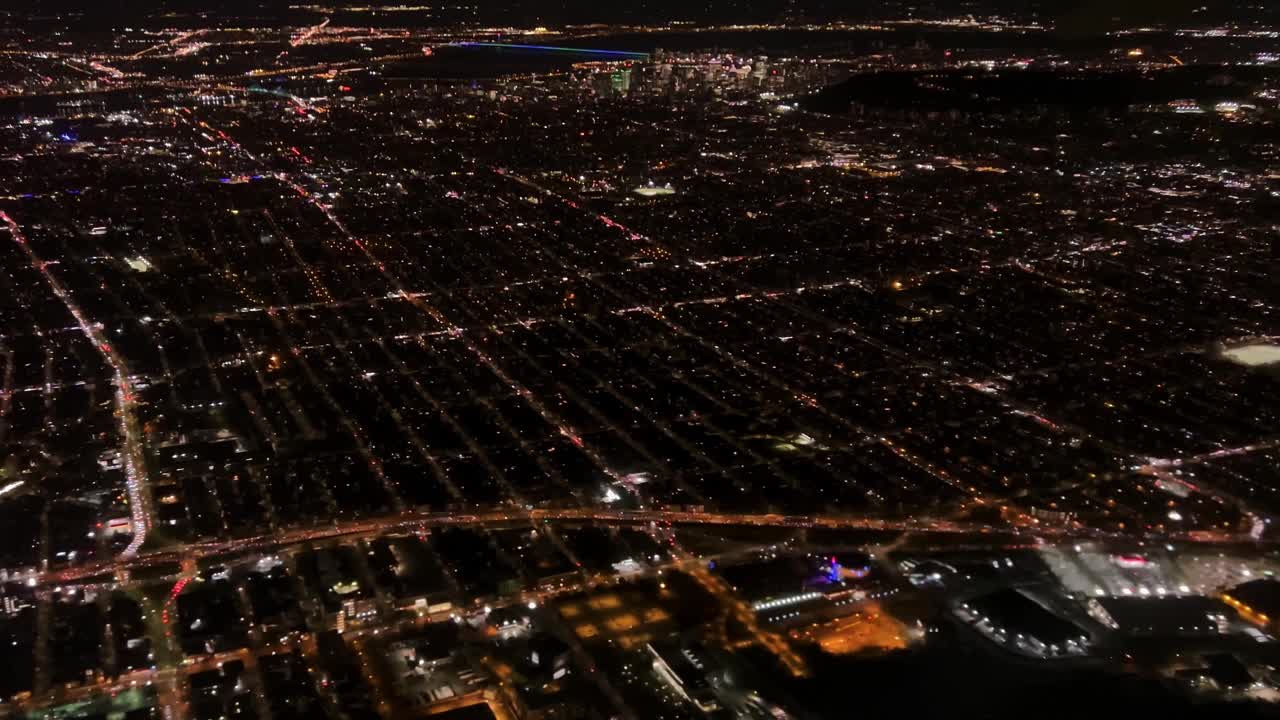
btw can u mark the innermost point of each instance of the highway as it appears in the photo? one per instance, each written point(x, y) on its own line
point(509, 515)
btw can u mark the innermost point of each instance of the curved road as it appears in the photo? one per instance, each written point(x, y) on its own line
point(131, 450)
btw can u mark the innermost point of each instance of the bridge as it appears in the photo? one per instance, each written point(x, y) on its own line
point(620, 54)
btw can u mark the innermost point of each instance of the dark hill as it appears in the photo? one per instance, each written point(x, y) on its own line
point(976, 91)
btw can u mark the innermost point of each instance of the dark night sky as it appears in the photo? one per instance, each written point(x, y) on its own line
point(1080, 15)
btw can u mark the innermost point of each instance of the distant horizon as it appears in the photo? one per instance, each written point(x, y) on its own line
point(1074, 15)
